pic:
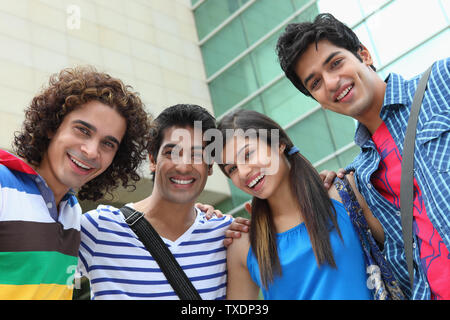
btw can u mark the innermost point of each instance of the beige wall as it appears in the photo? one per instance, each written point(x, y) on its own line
point(149, 44)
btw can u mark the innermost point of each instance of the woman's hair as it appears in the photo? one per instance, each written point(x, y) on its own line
point(307, 187)
point(66, 91)
point(297, 37)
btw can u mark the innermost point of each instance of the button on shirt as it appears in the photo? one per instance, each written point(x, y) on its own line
point(432, 166)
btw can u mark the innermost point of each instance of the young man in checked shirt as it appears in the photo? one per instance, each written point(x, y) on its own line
point(325, 60)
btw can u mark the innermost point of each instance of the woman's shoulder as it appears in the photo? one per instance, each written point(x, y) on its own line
point(240, 247)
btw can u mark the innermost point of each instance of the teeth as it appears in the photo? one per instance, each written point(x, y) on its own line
point(78, 163)
point(344, 93)
point(255, 181)
point(181, 181)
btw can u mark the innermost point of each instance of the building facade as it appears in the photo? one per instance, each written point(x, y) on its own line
point(237, 40)
point(150, 45)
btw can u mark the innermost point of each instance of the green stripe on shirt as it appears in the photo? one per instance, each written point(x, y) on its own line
point(36, 267)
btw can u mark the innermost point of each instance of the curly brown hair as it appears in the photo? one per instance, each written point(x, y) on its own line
point(69, 89)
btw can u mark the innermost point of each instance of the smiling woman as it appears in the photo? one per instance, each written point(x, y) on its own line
point(295, 248)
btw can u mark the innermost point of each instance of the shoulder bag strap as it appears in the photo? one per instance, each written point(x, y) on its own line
point(179, 281)
point(407, 176)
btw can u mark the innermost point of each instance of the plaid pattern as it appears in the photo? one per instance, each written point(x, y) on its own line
point(431, 167)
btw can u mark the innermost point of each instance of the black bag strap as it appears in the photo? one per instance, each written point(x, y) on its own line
point(158, 249)
point(407, 176)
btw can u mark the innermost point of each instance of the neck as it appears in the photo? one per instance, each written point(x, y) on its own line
point(284, 207)
point(57, 188)
point(371, 118)
point(170, 220)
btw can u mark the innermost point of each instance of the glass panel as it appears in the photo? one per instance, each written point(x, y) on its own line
point(342, 128)
point(235, 84)
point(347, 157)
point(332, 165)
point(418, 60)
point(312, 137)
point(347, 11)
point(263, 16)
point(225, 205)
point(265, 60)
point(368, 7)
point(212, 13)
point(422, 18)
point(223, 47)
point(284, 103)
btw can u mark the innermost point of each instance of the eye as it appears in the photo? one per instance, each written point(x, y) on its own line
point(248, 154)
point(335, 63)
point(230, 169)
point(109, 145)
point(83, 130)
point(315, 83)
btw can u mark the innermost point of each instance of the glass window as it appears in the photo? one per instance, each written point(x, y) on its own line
point(342, 128)
point(284, 103)
point(266, 62)
point(332, 165)
point(212, 13)
point(223, 47)
point(368, 7)
point(263, 16)
point(419, 21)
point(312, 137)
point(418, 60)
point(231, 87)
point(347, 11)
point(347, 157)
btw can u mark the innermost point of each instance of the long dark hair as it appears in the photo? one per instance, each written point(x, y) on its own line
point(307, 187)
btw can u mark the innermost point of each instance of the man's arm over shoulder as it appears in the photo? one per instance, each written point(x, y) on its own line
point(374, 225)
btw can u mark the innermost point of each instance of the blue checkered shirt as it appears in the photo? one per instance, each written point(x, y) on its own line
point(431, 167)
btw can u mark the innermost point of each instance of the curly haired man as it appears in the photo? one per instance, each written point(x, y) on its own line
point(85, 132)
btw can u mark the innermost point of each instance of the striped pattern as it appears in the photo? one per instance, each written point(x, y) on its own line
point(432, 165)
point(38, 253)
point(119, 267)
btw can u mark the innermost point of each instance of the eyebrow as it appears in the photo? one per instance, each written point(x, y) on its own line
point(331, 56)
point(92, 128)
point(240, 150)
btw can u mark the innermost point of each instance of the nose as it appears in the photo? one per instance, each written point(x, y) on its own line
point(331, 81)
point(90, 149)
point(184, 163)
point(243, 171)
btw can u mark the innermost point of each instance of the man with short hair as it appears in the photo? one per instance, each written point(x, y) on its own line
point(324, 59)
point(116, 261)
point(85, 132)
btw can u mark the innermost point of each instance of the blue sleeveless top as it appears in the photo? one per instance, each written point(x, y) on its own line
point(302, 279)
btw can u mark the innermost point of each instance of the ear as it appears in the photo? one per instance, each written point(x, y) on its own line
point(365, 55)
point(50, 134)
point(152, 163)
point(210, 169)
point(282, 148)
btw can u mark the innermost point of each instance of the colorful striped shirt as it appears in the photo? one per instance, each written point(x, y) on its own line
point(431, 167)
point(38, 244)
point(119, 267)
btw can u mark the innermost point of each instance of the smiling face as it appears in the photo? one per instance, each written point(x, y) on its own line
point(180, 170)
point(341, 82)
point(83, 146)
point(255, 167)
